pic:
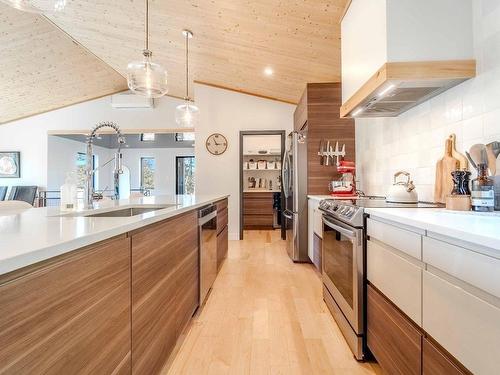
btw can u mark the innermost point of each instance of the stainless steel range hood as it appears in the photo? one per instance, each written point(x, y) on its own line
point(399, 86)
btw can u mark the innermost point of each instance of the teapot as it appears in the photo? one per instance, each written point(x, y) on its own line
point(402, 191)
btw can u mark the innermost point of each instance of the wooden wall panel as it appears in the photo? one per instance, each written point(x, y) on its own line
point(69, 315)
point(324, 122)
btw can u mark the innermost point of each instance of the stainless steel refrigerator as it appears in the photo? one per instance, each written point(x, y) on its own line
point(294, 178)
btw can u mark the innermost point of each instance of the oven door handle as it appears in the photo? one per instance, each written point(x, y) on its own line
point(345, 232)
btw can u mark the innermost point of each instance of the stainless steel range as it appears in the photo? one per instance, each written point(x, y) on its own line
point(344, 263)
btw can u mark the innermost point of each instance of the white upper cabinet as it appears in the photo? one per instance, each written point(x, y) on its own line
point(398, 53)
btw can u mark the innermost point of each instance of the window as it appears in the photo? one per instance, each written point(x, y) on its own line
point(148, 137)
point(181, 137)
point(147, 173)
point(185, 168)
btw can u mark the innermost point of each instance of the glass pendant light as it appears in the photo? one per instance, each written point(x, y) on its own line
point(186, 114)
point(145, 77)
point(37, 6)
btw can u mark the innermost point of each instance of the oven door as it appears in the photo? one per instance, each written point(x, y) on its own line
point(343, 268)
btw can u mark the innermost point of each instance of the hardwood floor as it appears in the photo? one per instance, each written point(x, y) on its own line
point(265, 315)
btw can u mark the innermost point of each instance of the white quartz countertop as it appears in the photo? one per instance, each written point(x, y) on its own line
point(32, 235)
point(473, 227)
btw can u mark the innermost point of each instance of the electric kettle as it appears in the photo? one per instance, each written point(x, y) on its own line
point(402, 191)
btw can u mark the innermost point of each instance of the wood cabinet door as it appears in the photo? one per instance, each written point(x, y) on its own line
point(161, 254)
point(69, 315)
point(392, 338)
point(435, 361)
point(222, 247)
point(222, 219)
point(188, 285)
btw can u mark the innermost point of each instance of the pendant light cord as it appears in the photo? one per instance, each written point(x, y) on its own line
point(146, 26)
point(187, 66)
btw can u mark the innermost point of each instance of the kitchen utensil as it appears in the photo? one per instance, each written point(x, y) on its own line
point(402, 191)
point(478, 154)
point(492, 151)
point(321, 152)
point(472, 162)
point(327, 162)
point(464, 164)
point(444, 182)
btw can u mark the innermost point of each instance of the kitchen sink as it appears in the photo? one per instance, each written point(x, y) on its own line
point(126, 212)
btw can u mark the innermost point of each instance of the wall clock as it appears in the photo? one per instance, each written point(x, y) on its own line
point(216, 144)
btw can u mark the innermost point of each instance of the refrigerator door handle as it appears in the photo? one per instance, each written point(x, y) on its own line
point(288, 214)
point(284, 173)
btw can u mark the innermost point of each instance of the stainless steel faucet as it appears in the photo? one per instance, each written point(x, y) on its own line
point(90, 170)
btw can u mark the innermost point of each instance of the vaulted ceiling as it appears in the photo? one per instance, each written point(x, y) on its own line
point(234, 41)
point(42, 69)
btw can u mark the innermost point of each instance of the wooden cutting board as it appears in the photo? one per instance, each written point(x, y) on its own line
point(464, 163)
point(444, 167)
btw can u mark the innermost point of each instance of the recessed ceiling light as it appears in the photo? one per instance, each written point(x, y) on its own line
point(268, 71)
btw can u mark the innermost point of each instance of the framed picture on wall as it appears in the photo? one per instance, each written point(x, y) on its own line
point(10, 164)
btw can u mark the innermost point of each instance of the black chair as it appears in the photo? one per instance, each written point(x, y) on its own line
point(3, 192)
point(23, 193)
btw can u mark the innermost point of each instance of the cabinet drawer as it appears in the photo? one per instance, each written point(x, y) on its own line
point(222, 247)
point(435, 361)
point(222, 217)
point(391, 337)
point(396, 277)
point(258, 221)
point(479, 270)
point(258, 206)
point(466, 326)
point(401, 239)
point(221, 205)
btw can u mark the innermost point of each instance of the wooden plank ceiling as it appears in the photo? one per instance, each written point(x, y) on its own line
point(42, 69)
point(235, 40)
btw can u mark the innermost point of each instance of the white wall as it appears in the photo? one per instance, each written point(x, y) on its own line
point(29, 135)
point(61, 159)
point(229, 113)
point(165, 167)
point(415, 140)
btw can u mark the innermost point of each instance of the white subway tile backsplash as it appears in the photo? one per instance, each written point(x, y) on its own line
point(415, 140)
point(473, 128)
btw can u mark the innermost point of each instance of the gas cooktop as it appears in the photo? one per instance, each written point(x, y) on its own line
point(351, 211)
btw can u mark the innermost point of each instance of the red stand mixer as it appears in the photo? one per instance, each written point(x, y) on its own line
point(345, 187)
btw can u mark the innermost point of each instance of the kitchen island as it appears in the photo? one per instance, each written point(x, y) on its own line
point(433, 294)
point(87, 293)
